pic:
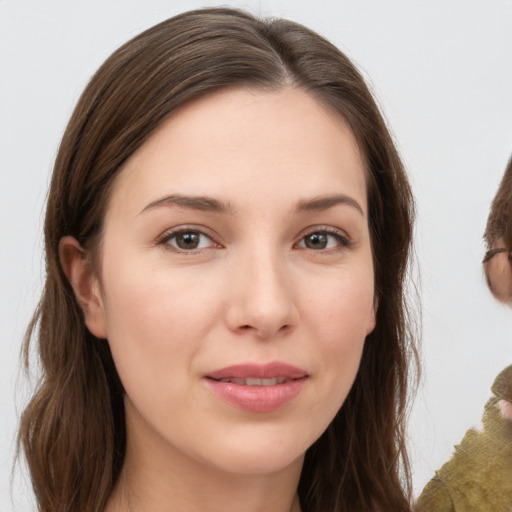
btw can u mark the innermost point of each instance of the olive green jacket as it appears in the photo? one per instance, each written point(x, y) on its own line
point(479, 475)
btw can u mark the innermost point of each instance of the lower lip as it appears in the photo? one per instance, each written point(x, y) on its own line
point(257, 398)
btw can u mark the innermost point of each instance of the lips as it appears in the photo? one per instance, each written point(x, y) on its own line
point(257, 388)
point(274, 370)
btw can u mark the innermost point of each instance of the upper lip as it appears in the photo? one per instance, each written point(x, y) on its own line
point(258, 371)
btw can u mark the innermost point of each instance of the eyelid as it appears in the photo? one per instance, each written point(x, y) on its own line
point(344, 239)
point(172, 232)
point(342, 236)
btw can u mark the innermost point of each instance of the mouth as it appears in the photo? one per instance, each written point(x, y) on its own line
point(250, 374)
point(258, 388)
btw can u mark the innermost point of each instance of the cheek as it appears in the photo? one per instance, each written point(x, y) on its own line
point(339, 317)
point(155, 321)
point(342, 307)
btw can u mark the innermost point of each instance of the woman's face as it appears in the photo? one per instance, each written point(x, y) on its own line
point(237, 280)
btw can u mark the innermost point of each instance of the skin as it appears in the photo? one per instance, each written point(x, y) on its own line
point(254, 290)
point(499, 275)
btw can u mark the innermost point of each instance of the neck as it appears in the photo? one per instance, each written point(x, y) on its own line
point(208, 491)
point(160, 478)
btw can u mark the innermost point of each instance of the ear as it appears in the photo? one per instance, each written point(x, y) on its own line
point(77, 268)
point(373, 316)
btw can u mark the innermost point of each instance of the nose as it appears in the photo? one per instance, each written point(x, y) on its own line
point(263, 301)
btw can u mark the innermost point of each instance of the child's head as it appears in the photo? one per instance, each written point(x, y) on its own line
point(498, 237)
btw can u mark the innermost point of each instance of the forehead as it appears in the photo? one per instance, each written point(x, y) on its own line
point(245, 143)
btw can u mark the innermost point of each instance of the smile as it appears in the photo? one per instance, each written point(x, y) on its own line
point(257, 388)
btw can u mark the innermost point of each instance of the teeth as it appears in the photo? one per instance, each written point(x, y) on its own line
point(252, 381)
point(258, 382)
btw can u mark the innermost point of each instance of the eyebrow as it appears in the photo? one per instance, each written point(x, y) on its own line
point(202, 203)
point(210, 204)
point(325, 202)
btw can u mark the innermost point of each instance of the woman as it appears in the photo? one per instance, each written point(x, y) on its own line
point(478, 477)
point(223, 325)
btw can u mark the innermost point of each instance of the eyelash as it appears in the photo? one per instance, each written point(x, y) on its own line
point(342, 239)
point(164, 240)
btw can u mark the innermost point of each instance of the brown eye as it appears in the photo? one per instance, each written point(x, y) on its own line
point(316, 241)
point(324, 240)
point(186, 241)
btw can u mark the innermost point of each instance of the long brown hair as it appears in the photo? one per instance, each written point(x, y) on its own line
point(73, 430)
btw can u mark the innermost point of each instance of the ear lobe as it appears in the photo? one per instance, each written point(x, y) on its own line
point(77, 268)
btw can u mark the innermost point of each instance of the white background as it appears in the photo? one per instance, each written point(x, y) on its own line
point(442, 72)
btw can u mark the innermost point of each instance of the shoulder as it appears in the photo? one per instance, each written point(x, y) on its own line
point(435, 497)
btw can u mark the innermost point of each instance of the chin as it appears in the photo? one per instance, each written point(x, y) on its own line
point(259, 464)
point(255, 455)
